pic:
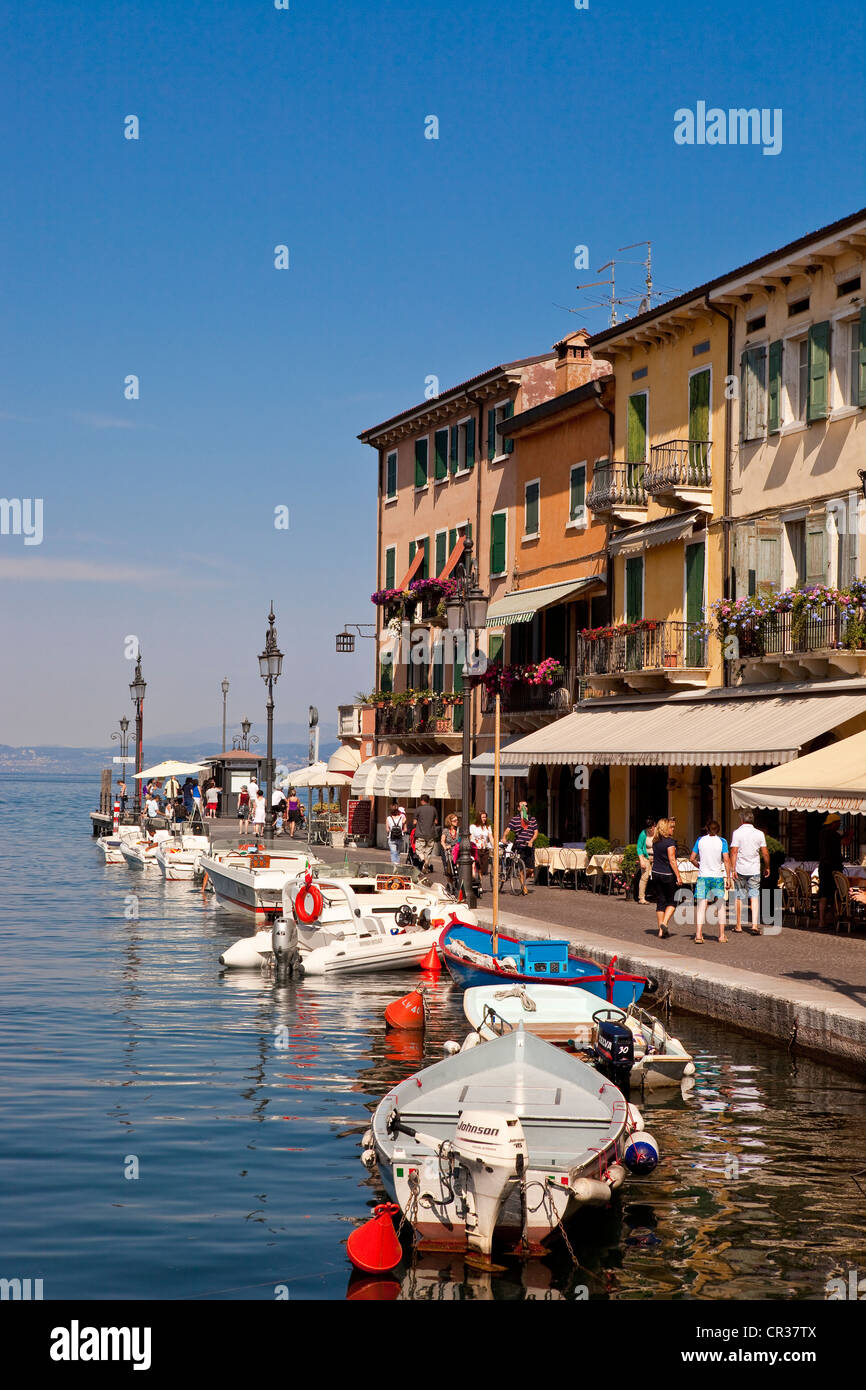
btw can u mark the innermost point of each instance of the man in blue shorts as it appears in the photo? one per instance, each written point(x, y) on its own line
point(712, 859)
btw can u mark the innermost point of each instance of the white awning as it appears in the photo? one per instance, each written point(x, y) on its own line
point(374, 776)
point(639, 538)
point(522, 606)
point(731, 731)
point(345, 759)
point(831, 779)
point(317, 775)
point(443, 777)
point(482, 766)
point(171, 769)
point(407, 779)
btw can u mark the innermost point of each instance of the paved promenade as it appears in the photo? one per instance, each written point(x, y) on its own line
point(768, 985)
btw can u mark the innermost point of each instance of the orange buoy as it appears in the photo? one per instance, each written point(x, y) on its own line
point(374, 1247)
point(432, 962)
point(408, 1012)
point(367, 1288)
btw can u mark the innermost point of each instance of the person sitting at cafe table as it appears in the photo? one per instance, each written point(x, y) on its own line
point(830, 861)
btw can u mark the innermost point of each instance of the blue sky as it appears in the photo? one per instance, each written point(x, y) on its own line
point(408, 257)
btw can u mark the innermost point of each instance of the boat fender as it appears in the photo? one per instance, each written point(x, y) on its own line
point(689, 1069)
point(471, 1040)
point(590, 1192)
point(641, 1154)
point(374, 1247)
point(635, 1119)
point(508, 963)
point(309, 902)
point(368, 1158)
point(616, 1176)
point(450, 1048)
point(367, 1139)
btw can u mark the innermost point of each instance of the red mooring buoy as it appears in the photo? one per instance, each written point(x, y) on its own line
point(407, 1012)
point(432, 962)
point(374, 1247)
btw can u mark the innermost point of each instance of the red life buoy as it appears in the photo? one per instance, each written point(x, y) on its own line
point(313, 893)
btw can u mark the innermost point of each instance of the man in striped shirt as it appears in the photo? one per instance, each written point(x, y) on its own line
point(524, 828)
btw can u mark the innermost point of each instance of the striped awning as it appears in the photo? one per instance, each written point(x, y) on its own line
point(727, 731)
point(373, 777)
point(409, 778)
point(522, 606)
point(639, 538)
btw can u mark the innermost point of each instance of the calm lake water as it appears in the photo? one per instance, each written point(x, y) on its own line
point(122, 1040)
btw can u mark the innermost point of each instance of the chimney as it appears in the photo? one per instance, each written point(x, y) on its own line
point(574, 362)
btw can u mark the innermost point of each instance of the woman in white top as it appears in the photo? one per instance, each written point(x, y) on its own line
point(259, 812)
point(481, 835)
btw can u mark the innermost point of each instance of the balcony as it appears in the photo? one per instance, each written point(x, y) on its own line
point(818, 644)
point(679, 472)
point(426, 723)
point(617, 489)
point(645, 656)
point(528, 706)
point(349, 721)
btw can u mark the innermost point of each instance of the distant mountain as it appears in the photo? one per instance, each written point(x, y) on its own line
point(49, 759)
point(210, 736)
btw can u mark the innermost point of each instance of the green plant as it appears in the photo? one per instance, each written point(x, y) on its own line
point(541, 841)
point(630, 861)
point(597, 844)
point(773, 845)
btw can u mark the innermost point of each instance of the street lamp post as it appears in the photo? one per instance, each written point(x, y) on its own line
point(467, 613)
point(123, 738)
point(270, 666)
point(137, 687)
point(225, 690)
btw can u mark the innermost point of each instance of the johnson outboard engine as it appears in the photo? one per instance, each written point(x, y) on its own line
point(615, 1050)
point(284, 944)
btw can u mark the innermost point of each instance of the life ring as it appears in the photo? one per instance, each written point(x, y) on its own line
point(313, 892)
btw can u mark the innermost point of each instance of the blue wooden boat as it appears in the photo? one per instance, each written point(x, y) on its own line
point(468, 954)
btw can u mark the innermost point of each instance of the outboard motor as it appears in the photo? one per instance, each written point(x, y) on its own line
point(615, 1048)
point(492, 1148)
point(284, 944)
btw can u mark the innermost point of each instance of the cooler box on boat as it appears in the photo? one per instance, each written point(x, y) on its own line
point(544, 957)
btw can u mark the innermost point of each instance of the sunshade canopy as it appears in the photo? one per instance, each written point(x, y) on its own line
point(409, 777)
point(483, 765)
point(660, 532)
point(831, 779)
point(345, 759)
point(522, 606)
point(172, 769)
point(732, 731)
point(318, 775)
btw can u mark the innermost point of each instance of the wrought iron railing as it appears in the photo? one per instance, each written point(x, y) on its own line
point(678, 463)
point(523, 698)
point(432, 716)
point(664, 646)
point(616, 485)
point(787, 634)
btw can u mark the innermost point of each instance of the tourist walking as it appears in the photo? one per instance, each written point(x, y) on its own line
point(748, 850)
point(186, 793)
point(665, 873)
point(481, 835)
point(244, 810)
point(212, 795)
point(294, 812)
point(830, 861)
point(395, 829)
point(449, 845)
point(196, 801)
point(713, 861)
point(259, 814)
point(425, 823)
point(524, 828)
point(278, 809)
point(644, 850)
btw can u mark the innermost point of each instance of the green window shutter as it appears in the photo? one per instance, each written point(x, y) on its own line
point(491, 433)
point(861, 383)
point(636, 432)
point(386, 675)
point(508, 412)
point(390, 567)
point(577, 498)
point(495, 643)
point(816, 562)
point(391, 475)
point(743, 360)
point(531, 510)
point(819, 371)
point(440, 454)
point(424, 571)
point(441, 551)
point(438, 667)
point(775, 392)
point(497, 543)
point(470, 443)
point(634, 588)
point(452, 539)
point(699, 406)
point(421, 447)
point(412, 548)
point(769, 562)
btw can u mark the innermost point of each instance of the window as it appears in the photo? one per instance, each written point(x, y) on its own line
point(495, 416)
point(795, 558)
point(577, 495)
point(640, 373)
point(633, 588)
point(799, 306)
point(755, 325)
point(422, 451)
point(700, 348)
point(423, 543)
point(848, 286)
point(391, 474)
point(440, 455)
point(855, 338)
point(753, 392)
point(774, 404)
point(391, 567)
point(441, 551)
point(498, 538)
point(464, 530)
point(802, 379)
point(636, 437)
point(532, 495)
point(463, 446)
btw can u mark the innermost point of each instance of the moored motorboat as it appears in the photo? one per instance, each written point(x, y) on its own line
point(503, 1141)
point(110, 844)
point(351, 926)
point(249, 881)
point(179, 858)
point(628, 1045)
point(468, 952)
point(141, 853)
